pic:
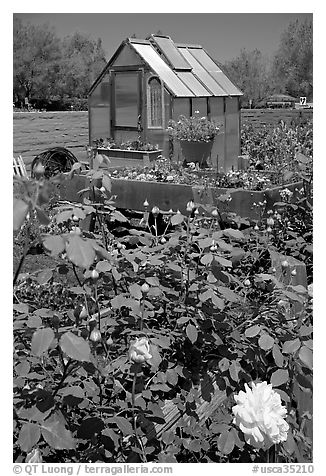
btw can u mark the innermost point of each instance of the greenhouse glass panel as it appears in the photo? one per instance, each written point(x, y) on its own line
point(192, 83)
point(99, 122)
point(200, 105)
point(214, 71)
point(202, 74)
point(173, 83)
point(172, 53)
point(126, 99)
point(181, 107)
point(232, 133)
point(216, 106)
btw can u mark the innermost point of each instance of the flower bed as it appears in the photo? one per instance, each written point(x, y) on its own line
point(131, 194)
point(168, 337)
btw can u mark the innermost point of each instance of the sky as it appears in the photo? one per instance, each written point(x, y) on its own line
point(223, 35)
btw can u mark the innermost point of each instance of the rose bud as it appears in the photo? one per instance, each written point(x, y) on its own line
point(214, 213)
point(83, 313)
point(145, 288)
point(178, 212)
point(109, 341)
point(196, 212)
point(94, 274)
point(256, 228)
point(270, 221)
point(75, 218)
point(247, 282)
point(139, 351)
point(103, 189)
point(268, 229)
point(95, 335)
point(190, 206)
point(285, 264)
point(171, 211)
point(155, 211)
point(163, 240)
point(34, 456)
point(146, 203)
point(294, 272)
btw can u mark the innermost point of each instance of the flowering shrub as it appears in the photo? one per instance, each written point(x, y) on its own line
point(194, 128)
point(161, 322)
point(277, 148)
point(110, 143)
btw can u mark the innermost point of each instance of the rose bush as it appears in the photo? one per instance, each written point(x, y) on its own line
point(209, 310)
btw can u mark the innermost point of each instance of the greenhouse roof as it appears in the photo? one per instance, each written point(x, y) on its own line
point(186, 70)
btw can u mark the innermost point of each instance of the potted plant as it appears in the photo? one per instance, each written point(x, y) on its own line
point(196, 137)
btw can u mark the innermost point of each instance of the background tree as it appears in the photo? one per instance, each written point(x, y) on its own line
point(250, 72)
point(46, 68)
point(292, 68)
point(37, 57)
point(82, 60)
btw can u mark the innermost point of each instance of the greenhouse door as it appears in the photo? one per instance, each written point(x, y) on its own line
point(127, 105)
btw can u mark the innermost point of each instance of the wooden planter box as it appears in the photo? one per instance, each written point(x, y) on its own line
point(141, 157)
point(131, 194)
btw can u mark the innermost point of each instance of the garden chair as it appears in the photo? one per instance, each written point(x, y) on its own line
point(19, 167)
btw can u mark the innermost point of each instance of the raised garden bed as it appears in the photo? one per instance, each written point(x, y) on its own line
point(142, 156)
point(131, 194)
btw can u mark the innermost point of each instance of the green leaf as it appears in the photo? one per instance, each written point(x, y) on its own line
point(277, 355)
point(177, 219)
point(42, 216)
point(54, 244)
point(237, 234)
point(156, 357)
point(75, 347)
point(225, 442)
point(224, 364)
point(55, 433)
point(20, 212)
point(222, 261)
point(28, 436)
point(291, 346)
point(306, 357)
point(80, 252)
point(228, 294)
point(192, 333)
point(44, 276)
point(41, 341)
point(207, 259)
point(103, 267)
point(106, 183)
point(135, 291)
point(219, 303)
point(123, 424)
point(22, 369)
point(279, 377)
point(266, 342)
point(252, 331)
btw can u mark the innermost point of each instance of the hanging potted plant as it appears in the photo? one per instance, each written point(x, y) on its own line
point(196, 137)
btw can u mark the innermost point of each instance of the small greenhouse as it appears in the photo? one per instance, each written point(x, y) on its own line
point(148, 82)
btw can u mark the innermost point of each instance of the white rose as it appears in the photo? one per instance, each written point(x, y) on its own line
point(139, 351)
point(260, 415)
